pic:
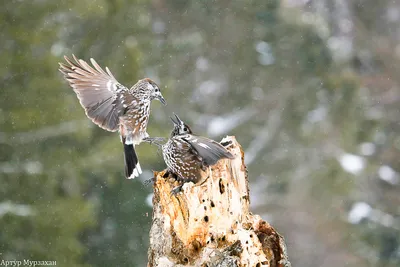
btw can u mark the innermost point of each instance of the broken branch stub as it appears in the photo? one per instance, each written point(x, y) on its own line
point(209, 223)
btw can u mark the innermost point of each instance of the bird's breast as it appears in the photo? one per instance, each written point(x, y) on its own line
point(134, 122)
point(178, 157)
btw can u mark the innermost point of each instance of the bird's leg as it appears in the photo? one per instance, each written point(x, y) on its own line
point(203, 166)
point(177, 190)
point(183, 181)
point(154, 140)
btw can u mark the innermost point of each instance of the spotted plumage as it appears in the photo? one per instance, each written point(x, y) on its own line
point(188, 155)
point(112, 106)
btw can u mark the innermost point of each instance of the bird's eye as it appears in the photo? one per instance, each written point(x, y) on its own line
point(157, 90)
point(185, 129)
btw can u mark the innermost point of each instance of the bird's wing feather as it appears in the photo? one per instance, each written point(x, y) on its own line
point(208, 150)
point(97, 90)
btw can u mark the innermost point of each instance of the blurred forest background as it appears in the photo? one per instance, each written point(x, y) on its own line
point(310, 88)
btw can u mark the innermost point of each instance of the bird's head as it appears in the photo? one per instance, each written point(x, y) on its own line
point(150, 90)
point(180, 128)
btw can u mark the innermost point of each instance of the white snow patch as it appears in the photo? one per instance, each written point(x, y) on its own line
point(57, 49)
point(16, 209)
point(352, 163)
point(209, 87)
point(392, 13)
point(389, 175)
point(383, 218)
point(358, 212)
point(33, 167)
point(341, 47)
point(367, 149)
point(361, 210)
point(202, 64)
point(317, 114)
point(220, 125)
point(149, 200)
point(29, 167)
point(263, 47)
point(266, 57)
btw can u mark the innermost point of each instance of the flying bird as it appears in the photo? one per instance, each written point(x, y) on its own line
point(187, 155)
point(112, 106)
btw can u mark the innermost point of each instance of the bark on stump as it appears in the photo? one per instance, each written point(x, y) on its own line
point(209, 223)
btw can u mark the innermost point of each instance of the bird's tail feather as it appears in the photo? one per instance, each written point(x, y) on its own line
point(132, 165)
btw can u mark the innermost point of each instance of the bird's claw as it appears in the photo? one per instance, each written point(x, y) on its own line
point(176, 190)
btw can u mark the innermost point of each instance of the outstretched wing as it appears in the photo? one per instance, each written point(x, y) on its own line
point(99, 93)
point(208, 150)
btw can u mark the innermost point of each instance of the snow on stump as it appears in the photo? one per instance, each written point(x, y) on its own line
point(209, 223)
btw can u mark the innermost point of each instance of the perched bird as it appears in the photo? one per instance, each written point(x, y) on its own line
point(112, 106)
point(187, 155)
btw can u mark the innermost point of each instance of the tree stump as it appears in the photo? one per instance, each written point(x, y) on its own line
point(209, 223)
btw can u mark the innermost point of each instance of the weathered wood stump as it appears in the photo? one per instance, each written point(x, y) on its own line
point(209, 223)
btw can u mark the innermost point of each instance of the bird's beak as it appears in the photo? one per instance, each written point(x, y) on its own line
point(162, 100)
point(177, 120)
point(172, 119)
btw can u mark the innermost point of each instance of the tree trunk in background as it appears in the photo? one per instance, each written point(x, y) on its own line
point(209, 224)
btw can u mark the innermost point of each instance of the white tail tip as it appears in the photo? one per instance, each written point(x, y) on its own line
point(136, 172)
